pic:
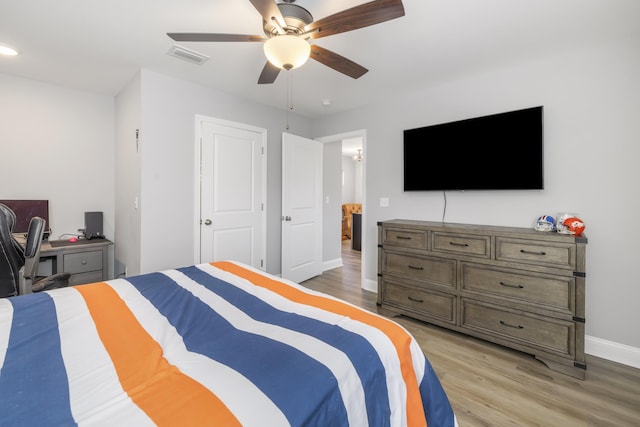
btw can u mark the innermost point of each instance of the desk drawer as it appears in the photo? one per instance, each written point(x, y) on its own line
point(82, 262)
point(88, 277)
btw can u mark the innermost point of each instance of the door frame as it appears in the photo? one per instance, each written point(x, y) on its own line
point(370, 285)
point(199, 119)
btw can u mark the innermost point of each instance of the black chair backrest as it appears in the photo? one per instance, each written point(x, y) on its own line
point(32, 247)
point(11, 254)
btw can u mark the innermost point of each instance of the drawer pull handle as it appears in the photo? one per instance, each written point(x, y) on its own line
point(532, 252)
point(511, 326)
point(84, 262)
point(459, 244)
point(415, 299)
point(403, 237)
point(509, 285)
point(416, 268)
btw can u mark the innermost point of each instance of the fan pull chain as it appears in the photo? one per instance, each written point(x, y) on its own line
point(289, 96)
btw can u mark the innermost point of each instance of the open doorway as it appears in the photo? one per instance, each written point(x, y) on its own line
point(338, 252)
point(352, 168)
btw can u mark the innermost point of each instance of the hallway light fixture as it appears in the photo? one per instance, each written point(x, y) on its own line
point(358, 157)
point(287, 51)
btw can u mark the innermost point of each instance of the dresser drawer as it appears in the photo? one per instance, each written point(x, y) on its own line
point(412, 239)
point(82, 262)
point(479, 246)
point(547, 334)
point(553, 292)
point(435, 270)
point(425, 302)
point(548, 254)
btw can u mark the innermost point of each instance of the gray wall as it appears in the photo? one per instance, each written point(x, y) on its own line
point(592, 104)
point(58, 144)
point(128, 180)
point(332, 208)
point(168, 107)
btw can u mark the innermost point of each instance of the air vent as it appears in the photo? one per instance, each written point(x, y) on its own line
point(188, 54)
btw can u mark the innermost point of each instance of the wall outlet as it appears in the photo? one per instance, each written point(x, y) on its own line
point(384, 202)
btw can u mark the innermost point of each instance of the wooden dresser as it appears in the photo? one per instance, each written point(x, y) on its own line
point(516, 287)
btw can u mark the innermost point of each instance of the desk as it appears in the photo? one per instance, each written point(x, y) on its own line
point(86, 260)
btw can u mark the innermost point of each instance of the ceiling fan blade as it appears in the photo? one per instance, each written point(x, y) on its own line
point(337, 62)
point(269, 74)
point(270, 12)
point(212, 37)
point(357, 17)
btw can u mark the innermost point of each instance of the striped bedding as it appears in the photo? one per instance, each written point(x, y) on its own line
point(218, 344)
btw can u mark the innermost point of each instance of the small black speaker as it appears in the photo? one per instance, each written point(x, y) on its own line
point(93, 225)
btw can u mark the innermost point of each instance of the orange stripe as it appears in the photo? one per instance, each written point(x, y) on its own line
point(164, 393)
point(398, 336)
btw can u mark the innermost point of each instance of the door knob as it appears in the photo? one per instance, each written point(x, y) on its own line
point(207, 222)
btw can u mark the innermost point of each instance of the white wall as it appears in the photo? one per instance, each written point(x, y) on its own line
point(128, 180)
point(352, 188)
point(592, 105)
point(168, 107)
point(58, 144)
point(332, 207)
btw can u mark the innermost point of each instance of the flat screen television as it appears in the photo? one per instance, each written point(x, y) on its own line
point(496, 152)
point(27, 209)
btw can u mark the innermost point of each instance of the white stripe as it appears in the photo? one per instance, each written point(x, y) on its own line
point(95, 393)
point(6, 320)
point(397, 388)
point(335, 360)
point(243, 398)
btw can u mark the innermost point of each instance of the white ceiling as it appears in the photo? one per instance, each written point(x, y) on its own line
point(99, 46)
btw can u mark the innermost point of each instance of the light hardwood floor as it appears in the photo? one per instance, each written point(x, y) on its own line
point(489, 385)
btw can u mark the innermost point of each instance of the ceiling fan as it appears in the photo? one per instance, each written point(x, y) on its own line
point(287, 28)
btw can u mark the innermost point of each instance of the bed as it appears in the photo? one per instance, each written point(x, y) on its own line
point(218, 344)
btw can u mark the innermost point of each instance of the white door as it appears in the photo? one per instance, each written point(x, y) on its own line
point(301, 208)
point(232, 189)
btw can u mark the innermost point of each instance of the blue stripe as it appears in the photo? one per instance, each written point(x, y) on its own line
point(34, 390)
point(360, 352)
point(437, 408)
point(292, 386)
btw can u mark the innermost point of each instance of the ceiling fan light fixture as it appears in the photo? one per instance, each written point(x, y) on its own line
point(287, 51)
point(7, 50)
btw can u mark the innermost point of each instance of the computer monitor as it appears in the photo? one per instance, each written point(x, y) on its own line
point(27, 209)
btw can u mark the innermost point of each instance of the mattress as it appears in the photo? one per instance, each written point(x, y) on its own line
point(218, 344)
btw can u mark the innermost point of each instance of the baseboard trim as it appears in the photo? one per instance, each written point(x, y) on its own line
point(331, 264)
point(370, 285)
point(612, 351)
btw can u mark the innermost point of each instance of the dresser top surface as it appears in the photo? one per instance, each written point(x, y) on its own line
point(516, 232)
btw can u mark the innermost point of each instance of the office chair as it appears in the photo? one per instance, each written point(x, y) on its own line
point(18, 266)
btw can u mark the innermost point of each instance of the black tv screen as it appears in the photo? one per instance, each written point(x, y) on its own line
point(496, 152)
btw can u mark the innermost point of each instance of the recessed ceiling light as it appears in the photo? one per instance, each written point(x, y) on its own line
point(326, 102)
point(7, 50)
